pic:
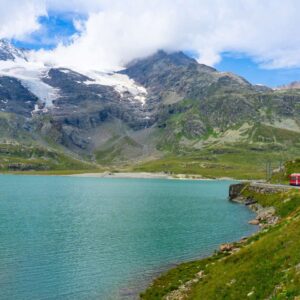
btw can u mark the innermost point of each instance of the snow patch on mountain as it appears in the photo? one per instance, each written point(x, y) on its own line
point(13, 63)
point(66, 71)
point(120, 82)
point(30, 75)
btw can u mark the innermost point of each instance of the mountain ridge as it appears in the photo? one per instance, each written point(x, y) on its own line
point(10, 52)
point(292, 85)
point(165, 105)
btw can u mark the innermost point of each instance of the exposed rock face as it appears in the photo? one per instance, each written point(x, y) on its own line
point(15, 98)
point(194, 127)
point(235, 190)
point(92, 104)
point(179, 74)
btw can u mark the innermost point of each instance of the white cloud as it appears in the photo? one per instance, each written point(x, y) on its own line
point(117, 31)
point(18, 18)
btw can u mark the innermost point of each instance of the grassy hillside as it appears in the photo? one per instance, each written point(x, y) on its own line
point(237, 160)
point(240, 152)
point(21, 158)
point(266, 266)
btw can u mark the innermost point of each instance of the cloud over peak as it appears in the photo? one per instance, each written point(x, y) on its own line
point(117, 31)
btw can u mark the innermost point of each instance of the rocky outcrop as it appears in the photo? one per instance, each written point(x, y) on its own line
point(265, 216)
point(15, 98)
point(235, 190)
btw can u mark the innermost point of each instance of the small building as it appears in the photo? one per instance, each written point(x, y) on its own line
point(295, 179)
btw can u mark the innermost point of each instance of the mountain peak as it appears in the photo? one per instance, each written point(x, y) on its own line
point(176, 58)
point(171, 58)
point(166, 63)
point(9, 52)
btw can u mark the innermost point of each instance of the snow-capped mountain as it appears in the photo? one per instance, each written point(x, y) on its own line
point(33, 76)
point(165, 102)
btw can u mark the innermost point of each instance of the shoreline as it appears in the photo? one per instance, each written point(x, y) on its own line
point(123, 175)
point(130, 174)
point(149, 175)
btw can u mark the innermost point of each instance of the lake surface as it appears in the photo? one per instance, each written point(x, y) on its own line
point(101, 238)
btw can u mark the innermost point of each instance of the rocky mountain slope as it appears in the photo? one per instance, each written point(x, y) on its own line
point(158, 108)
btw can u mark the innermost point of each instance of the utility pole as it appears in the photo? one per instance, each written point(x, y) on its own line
point(268, 170)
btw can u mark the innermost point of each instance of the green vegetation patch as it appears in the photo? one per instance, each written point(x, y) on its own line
point(239, 161)
point(19, 158)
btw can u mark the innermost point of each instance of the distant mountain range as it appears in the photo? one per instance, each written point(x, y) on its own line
point(165, 112)
point(292, 85)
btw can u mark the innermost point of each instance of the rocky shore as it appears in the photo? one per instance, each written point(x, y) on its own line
point(265, 216)
point(244, 193)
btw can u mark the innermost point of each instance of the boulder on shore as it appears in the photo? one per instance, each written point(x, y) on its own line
point(254, 222)
point(226, 247)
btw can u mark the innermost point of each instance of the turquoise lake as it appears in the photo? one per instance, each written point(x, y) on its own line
point(102, 238)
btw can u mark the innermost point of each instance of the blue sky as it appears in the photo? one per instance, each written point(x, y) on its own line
point(247, 68)
point(57, 27)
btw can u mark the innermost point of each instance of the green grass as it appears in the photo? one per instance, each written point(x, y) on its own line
point(238, 161)
point(16, 157)
point(266, 267)
point(245, 158)
point(268, 134)
point(114, 150)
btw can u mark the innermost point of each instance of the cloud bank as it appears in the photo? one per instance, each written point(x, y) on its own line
point(117, 31)
point(18, 18)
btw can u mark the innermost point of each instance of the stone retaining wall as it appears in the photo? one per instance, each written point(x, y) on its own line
point(258, 187)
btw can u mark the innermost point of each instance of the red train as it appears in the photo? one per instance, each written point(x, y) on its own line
point(295, 179)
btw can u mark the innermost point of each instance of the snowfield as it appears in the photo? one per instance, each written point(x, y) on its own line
point(120, 82)
point(30, 74)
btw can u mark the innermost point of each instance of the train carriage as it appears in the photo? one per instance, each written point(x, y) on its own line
point(295, 179)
